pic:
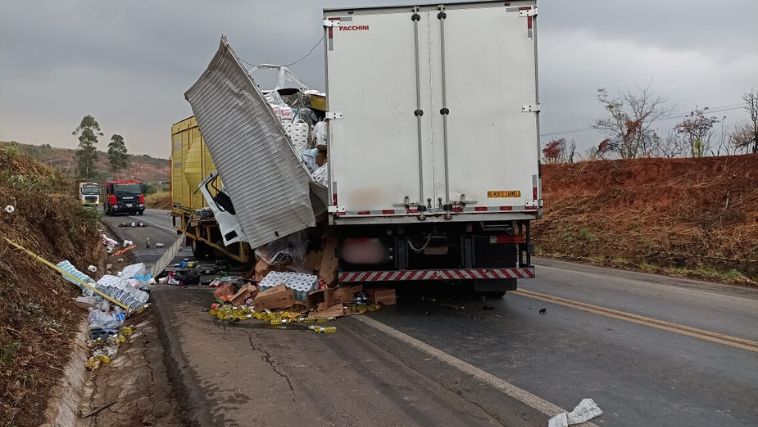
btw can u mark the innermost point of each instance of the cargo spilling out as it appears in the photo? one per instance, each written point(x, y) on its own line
point(416, 171)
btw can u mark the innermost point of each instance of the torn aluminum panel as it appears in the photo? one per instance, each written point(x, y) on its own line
point(262, 174)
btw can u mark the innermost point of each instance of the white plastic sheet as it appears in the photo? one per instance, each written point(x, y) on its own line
point(586, 410)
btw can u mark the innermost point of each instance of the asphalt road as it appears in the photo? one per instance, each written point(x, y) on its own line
point(649, 350)
point(157, 227)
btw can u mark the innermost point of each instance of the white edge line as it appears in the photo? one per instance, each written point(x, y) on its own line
point(509, 389)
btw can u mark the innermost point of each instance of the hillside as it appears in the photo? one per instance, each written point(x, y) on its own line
point(691, 217)
point(142, 167)
point(37, 314)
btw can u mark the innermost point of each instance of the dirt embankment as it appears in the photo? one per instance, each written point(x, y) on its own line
point(690, 217)
point(37, 315)
point(160, 200)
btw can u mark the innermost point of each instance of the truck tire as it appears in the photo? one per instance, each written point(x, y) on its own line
point(200, 249)
point(141, 213)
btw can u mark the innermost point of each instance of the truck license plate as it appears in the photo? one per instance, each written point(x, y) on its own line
point(128, 205)
point(502, 194)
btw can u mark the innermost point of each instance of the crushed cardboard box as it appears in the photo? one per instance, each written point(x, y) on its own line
point(246, 292)
point(382, 296)
point(327, 270)
point(224, 292)
point(337, 310)
point(277, 297)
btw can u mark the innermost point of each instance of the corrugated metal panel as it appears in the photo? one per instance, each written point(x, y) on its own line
point(261, 172)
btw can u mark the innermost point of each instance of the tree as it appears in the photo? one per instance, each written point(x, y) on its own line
point(629, 121)
point(554, 150)
point(745, 136)
point(671, 146)
point(88, 131)
point(697, 130)
point(117, 157)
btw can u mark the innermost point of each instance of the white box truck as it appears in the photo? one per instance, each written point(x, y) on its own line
point(433, 140)
point(433, 151)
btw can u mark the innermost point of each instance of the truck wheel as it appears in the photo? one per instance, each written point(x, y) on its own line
point(200, 249)
point(141, 212)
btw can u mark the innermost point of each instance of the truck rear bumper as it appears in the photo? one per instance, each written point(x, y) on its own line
point(453, 274)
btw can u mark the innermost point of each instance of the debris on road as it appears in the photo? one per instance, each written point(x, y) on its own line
point(543, 311)
point(289, 286)
point(132, 224)
point(586, 410)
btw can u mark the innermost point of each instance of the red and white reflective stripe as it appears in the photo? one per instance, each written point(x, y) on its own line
point(453, 274)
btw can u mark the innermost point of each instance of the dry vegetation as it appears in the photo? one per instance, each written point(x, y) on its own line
point(160, 200)
point(694, 217)
point(37, 317)
point(142, 167)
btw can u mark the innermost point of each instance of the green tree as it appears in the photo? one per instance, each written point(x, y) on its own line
point(117, 157)
point(87, 131)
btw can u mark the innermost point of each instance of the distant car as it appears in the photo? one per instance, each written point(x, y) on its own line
point(124, 196)
point(89, 194)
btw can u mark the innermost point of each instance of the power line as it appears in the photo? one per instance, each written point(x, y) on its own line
point(293, 62)
point(307, 54)
point(720, 109)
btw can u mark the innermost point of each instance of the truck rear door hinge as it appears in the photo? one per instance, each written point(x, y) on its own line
point(331, 22)
point(528, 12)
point(332, 115)
point(531, 108)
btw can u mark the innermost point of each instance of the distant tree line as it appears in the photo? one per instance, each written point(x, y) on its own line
point(629, 133)
point(86, 154)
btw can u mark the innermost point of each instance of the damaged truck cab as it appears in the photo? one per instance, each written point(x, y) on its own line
point(432, 138)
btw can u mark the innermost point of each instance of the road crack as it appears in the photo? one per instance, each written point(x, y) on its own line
point(266, 357)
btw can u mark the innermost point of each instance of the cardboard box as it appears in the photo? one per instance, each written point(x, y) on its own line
point(321, 299)
point(336, 310)
point(344, 295)
point(312, 261)
point(279, 296)
point(382, 296)
point(261, 270)
point(246, 292)
point(327, 270)
point(224, 292)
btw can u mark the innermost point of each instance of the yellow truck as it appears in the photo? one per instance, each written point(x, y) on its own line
point(191, 164)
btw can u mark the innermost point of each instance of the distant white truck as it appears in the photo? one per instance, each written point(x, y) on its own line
point(433, 151)
point(433, 140)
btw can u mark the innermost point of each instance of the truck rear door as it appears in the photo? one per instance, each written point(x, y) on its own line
point(437, 104)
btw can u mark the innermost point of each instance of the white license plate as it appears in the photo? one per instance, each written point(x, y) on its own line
point(128, 205)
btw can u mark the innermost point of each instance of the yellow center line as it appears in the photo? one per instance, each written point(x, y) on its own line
point(689, 331)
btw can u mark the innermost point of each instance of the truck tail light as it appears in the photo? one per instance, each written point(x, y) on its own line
point(141, 198)
point(505, 238)
point(112, 199)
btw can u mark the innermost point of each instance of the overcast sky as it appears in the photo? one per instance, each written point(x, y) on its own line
point(128, 63)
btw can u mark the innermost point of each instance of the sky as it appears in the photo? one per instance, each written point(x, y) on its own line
point(128, 63)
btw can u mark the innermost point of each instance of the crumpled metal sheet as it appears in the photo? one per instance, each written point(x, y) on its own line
point(262, 174)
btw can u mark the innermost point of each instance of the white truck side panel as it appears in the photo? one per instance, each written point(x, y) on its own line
point(375, 156)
